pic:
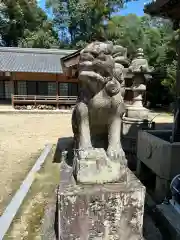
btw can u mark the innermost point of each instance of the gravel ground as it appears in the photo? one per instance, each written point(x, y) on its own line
point(22, 138)
point(161, 117)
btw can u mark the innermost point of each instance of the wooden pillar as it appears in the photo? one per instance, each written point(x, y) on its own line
point(13, 88)
point(35, 104)
point(57, 91)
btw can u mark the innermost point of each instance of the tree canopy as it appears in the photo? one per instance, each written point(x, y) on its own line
point(25, 23)
point(84, 20)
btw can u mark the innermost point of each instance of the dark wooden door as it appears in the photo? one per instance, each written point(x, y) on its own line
point(31, 88)
point(73, 89)
point(2, 90)
point(42, 88)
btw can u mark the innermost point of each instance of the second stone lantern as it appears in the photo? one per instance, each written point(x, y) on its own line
point(140, 73)
point(136, 117)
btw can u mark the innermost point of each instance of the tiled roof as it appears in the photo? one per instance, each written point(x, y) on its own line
point(32, 60)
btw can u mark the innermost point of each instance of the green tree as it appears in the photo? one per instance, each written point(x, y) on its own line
point(4, 20)
point(25, 19)
point(126, 31)
point(84, 20)
point(156, 37)
point(44, 37)
point(170, 80)
point(133, 32)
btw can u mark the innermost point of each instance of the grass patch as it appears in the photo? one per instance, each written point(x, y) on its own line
point(17, 180)
point(27, 223)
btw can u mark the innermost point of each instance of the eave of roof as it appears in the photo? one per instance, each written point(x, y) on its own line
point(156, 4)
point(71, 60)
point(74, 54)
point(163, 8)
point(32, 60)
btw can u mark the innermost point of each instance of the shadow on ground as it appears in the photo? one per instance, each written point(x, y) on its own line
point(163, 126)
point(150, 230)
point(64, 144)
point(5, 102)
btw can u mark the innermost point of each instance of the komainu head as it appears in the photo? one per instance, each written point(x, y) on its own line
point(100, 67)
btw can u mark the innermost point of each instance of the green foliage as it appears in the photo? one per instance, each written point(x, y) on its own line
point(126, 31)
point(23, 23)
point(134, 32)
point(4, 20)
point(158, 40)
point(44, 37)
point(83, 19)
point(170, 80)
point(38, 39)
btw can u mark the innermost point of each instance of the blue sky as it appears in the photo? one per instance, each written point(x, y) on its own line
point(132, 7)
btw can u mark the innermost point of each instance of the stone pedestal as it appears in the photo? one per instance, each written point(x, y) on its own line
point(100, 211)
point(93, 166)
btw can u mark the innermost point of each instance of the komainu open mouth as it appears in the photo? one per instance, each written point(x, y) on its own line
point(90, 75)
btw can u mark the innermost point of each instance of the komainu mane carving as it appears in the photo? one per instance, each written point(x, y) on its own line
point(100, 107)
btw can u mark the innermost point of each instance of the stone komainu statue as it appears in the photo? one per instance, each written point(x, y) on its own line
point(100, 105)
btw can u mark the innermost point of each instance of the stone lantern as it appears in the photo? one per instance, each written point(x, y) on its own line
point(136, 117)
point(140, 73)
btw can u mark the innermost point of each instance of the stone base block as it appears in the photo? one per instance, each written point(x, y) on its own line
point(93, 166)
point(137, 112)
point(100, 211)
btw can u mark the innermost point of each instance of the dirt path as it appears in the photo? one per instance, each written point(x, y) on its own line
point(22, 138)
